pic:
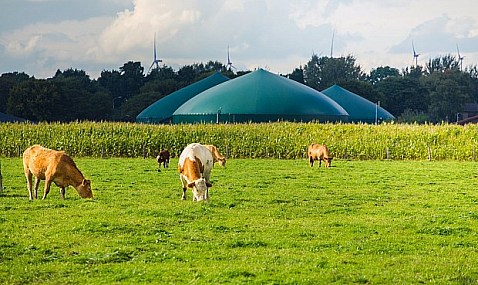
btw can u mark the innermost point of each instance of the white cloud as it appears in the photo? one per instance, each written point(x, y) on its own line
point(275, 34)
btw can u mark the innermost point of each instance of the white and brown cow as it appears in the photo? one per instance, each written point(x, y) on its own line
point(216, 155)
point(194, 166)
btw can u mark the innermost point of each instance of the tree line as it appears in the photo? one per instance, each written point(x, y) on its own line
point(435, 92)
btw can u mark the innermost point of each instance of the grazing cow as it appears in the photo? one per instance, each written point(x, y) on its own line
point(216, 155)
point(319, 152)
point(194, 166)
point(163, 157)
point(53, 166)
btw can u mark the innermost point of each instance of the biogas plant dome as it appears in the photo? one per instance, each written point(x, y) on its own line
point(259, 96)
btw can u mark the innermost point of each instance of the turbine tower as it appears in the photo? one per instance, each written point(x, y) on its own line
point(415, 55)
point(156, 60)
point(460, 58)
point(332, 44)
point(229, 62)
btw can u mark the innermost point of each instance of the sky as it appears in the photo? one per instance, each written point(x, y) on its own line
point(39, 37)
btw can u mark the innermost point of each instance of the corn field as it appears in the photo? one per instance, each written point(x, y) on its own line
point(283, 140)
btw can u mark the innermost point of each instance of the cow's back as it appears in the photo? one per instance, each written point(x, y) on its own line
point(38, 160)
point(197, 151)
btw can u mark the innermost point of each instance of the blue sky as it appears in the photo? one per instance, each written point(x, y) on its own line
point(40, 36)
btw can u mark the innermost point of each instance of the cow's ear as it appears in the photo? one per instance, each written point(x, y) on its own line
point(208, 184)
point(191, 185)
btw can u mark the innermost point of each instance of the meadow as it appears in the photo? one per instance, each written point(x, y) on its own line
point(269, 221)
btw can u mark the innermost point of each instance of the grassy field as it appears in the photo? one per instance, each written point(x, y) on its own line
point(269, 221)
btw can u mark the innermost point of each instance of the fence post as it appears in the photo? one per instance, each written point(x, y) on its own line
point(102, 151)
point(388, 153)
point(474, 154)
point(429, 153)
point(18, 150)
point(144, 151)
point(1, 185)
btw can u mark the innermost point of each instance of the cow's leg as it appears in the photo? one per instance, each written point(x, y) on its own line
point(184, 193)
point(320, 162)
point(47, 188)
point(29, 177)
point(37, 184)
point(185, 187)
point(62, 193)
point(311, 161)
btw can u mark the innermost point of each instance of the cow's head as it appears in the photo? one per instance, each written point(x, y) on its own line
point(328, 161)
point(200, 189)
point(222, 162)
point(160, 158)
point(84, 189)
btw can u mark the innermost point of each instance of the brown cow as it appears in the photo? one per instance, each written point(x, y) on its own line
point(216, 155)
point(53, 166)
point(319, 152)
point(194, 166)
point(163, 157)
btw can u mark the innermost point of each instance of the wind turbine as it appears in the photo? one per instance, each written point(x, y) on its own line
point(415, 55)
point(156, 60)
point(332, 44)
point(229, 62)
point(460, 58)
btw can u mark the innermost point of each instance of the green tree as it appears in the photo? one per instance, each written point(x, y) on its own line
point(7, 81)
point(380, 73)
point(448, 92)
point(323, 72)
point(132, 78)
point(86, 99)
point(364, 89)
point(402, 93)
point(442, 64)
point(297, 75)
point(36, 100)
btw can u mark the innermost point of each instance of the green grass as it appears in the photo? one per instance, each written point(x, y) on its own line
point(268, 222)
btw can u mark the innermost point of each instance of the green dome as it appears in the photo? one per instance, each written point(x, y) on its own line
point(359, 108)
point(260, 96)
point(162, 110)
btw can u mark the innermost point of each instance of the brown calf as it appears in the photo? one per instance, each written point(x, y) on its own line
point(163, 157)
point(319, 152)
point(216, 155)
point(53, 166)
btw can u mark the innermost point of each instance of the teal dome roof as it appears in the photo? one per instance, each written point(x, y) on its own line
point(358, 108)
point(162, 110)
point(260, 96)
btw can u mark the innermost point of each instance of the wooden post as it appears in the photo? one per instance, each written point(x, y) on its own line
point(102, 151)
point(474, 154)
point(388, 153)
point(144, 151)
point(429, 153)
point(18, 151)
